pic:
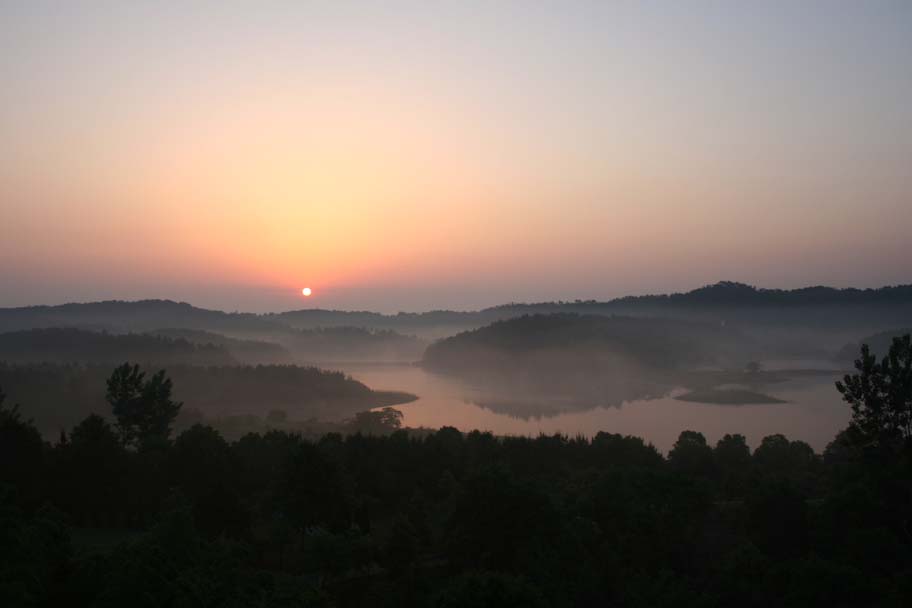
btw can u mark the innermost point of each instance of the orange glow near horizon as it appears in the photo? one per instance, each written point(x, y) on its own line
point(448, 156)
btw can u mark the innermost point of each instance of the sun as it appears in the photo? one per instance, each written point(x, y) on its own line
point(306, 291)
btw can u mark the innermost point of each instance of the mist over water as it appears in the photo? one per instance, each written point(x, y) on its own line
point(813, 411)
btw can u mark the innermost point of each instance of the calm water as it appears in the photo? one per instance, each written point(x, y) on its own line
point(813, 413)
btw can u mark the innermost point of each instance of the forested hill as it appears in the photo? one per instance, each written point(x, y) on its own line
point(729, 294)
point(59, 395)
point(249, 338)
point(250, 352)
point(68, 345)
point(733, 302)
point(560, 342)
point(142, 315)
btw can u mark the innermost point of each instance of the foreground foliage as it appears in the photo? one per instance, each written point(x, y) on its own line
point(453, 519)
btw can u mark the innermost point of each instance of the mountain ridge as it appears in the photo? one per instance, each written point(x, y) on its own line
point(720, 288)
point(720, 302)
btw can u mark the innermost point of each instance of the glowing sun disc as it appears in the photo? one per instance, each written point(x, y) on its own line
point(306, 291)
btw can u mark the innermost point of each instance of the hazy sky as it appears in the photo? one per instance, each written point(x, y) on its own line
point(411, 155)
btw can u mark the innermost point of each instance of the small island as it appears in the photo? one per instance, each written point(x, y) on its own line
point(728, 396)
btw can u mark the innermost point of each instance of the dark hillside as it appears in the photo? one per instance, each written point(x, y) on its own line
point(67, 345)
point(250, 352)
point(566, 340)
point(57, 395)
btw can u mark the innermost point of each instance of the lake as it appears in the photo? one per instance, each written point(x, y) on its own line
point(813, 412)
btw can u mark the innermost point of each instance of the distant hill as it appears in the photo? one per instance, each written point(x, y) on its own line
point(810, 309)
point(729, 293)
point(801, 313)
point(566, 362)
point(119, 316)
point(68, 345)
point(250, 338)
point(571, 342)
point(879, 344)
point(811, 321)
point(58, 396)
point(250, 352)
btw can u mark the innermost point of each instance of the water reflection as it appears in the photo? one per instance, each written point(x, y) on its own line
point(812, 410)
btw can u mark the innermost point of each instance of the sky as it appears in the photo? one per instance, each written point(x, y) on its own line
point(419, 155)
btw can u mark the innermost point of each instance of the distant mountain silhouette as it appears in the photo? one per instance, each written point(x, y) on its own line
point(152, 313)
point(725, 300)
point(729, 293)
point(142, 315)
point(822, 317)
point(69, 345)
point(730, 300)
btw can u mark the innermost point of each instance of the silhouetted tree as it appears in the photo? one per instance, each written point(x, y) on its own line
point(691, 454)
point(616, 449)
point(95, 471)
point(203, 466)
point(880, 395)
point(94, 433)
point(732, 459)
point(21, 452)
point(143, 408)
point(373, 422)
point(777, 458)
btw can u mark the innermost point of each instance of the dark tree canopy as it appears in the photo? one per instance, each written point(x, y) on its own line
point(880, 394)
point(691, 454)
point(420, 518)
point(21, 449)
point(380, 422)
point(143, 408)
